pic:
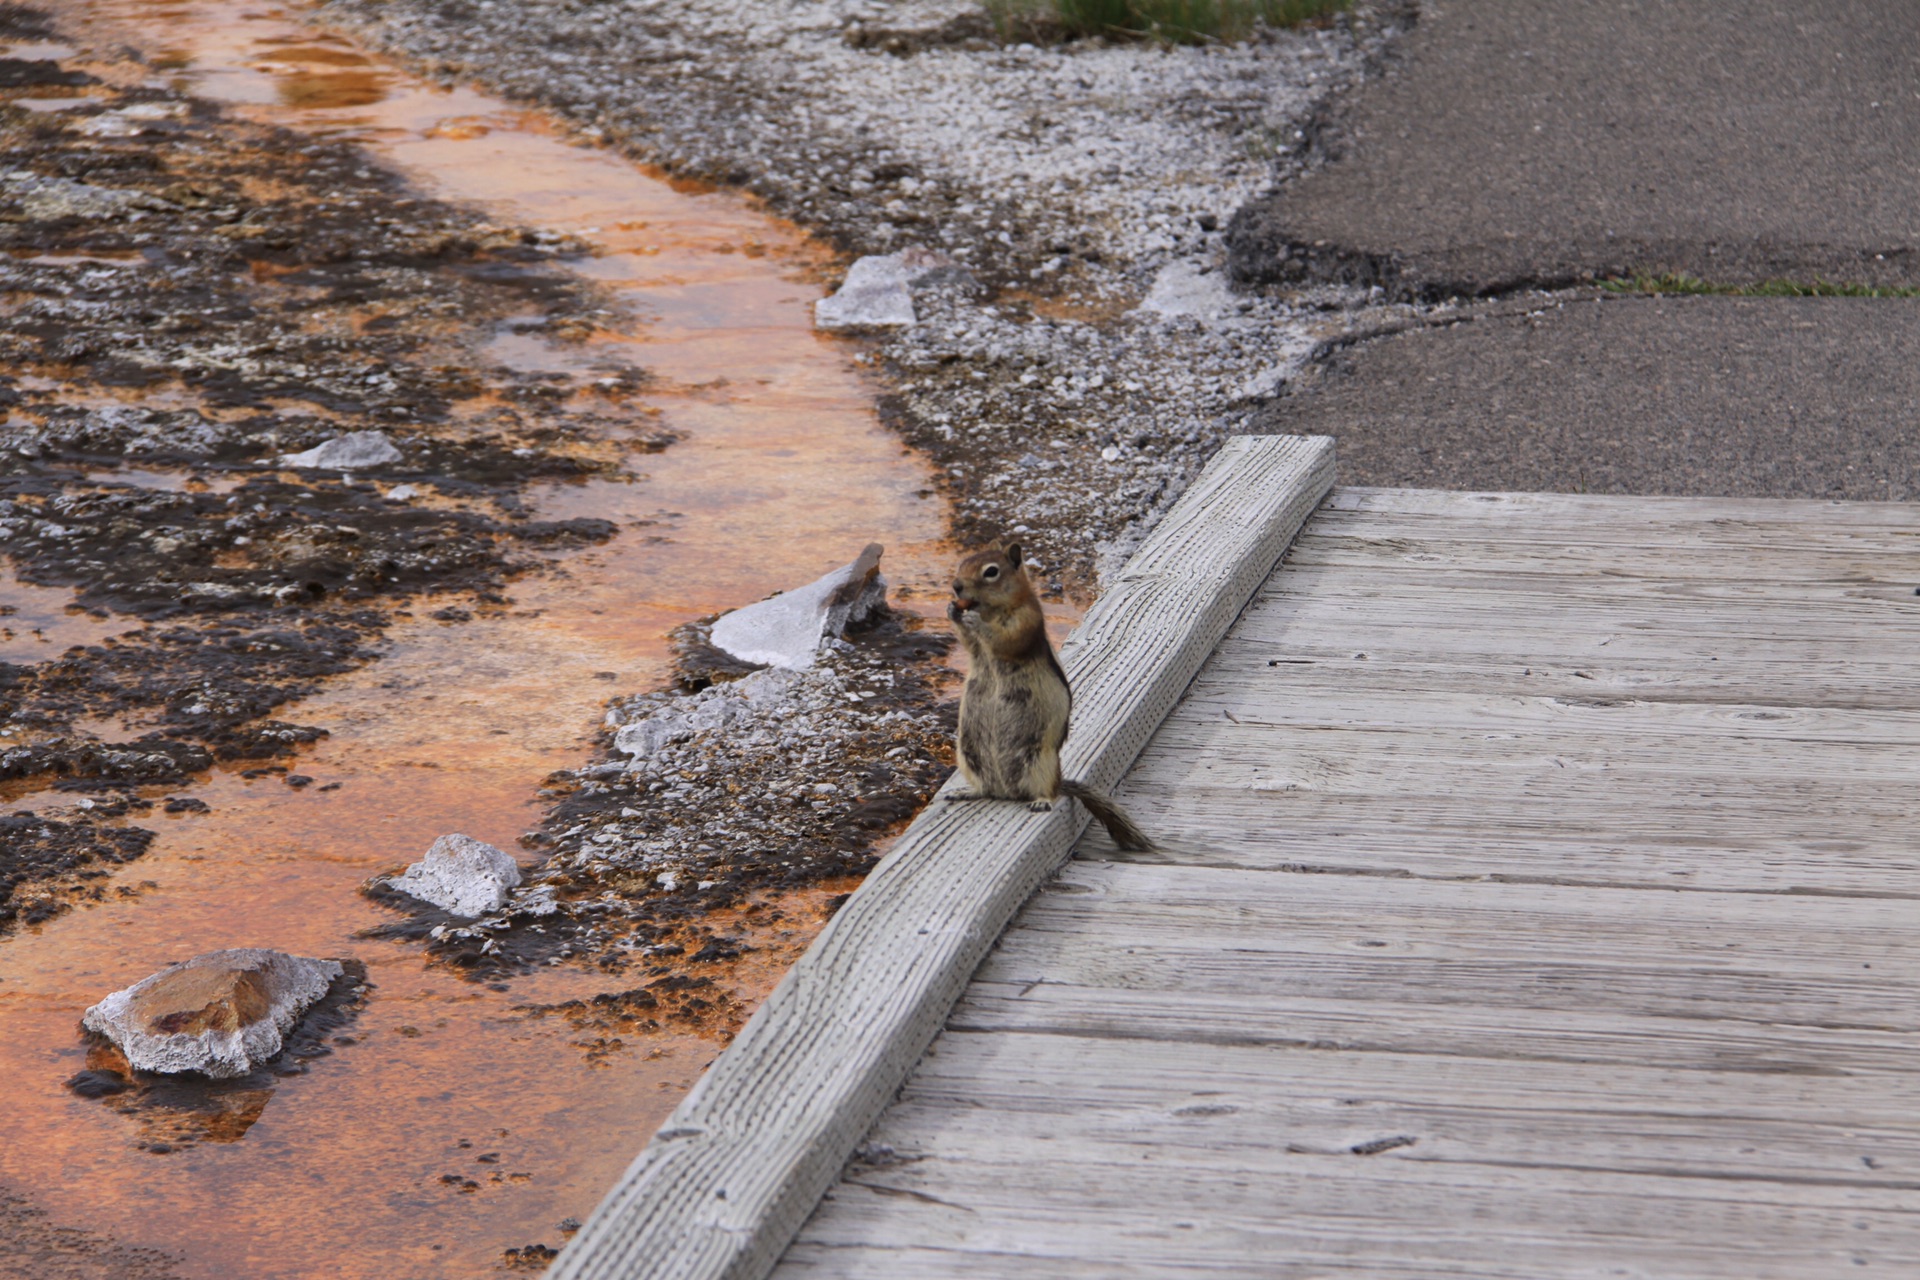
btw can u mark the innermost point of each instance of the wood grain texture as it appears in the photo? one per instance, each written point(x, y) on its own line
point(727, 1180)
point(1537, 897)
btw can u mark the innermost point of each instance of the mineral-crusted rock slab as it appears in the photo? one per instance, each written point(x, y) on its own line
point(787, 630)
point(878, 291)
point(222, 1014)
point(346, 453)
point(461, 875)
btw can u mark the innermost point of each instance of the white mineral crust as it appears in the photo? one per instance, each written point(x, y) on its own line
point(460, 875)
point(878, 291)
point(787, 630)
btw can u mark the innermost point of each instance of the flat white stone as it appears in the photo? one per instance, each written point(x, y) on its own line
point(221, 1014)
point(1181, 289)
point(346, 453)
point(787, 630)
point(878, 291)
point(460, 875)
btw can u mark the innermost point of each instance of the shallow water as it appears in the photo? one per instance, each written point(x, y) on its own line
point(38, 623)
point(781, 473)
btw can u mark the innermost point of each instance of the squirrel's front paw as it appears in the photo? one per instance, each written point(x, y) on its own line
point(1040, 806)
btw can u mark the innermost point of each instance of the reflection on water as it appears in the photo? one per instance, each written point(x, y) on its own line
point(38, 623)
point(172, 481)
point(446, 1124)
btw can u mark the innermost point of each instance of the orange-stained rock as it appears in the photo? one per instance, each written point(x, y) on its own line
point(190, 1000)
point(222, 1014)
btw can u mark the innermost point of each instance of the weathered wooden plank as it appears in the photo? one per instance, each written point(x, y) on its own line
point(1504, 622)
point(1242, 699)
point(1890, 684)
point(1561, 770)
point(1090, 1151)
point(1782, 675)
point(1245, 1109)
point(1599, 568)
point(1577, 804)
point(1262, 1012)
point(737, 1167)
point(1552, 632)
point(1026, 1193)
point(1204, 831)
point(1739, 958)
point(1027, 1216)
point(1679, 520)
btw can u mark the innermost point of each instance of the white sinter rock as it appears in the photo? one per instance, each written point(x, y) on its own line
point(878, 291)
point(787, 630)
point(346, 453)
point(222, 1014)
point(1183, 288)
point(460, 875)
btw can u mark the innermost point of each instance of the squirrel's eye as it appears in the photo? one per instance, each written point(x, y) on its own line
point(991, 572)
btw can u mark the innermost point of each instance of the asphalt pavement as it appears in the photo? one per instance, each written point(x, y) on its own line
point(1540, 142)
point(1758, 397)
point(1512, 148)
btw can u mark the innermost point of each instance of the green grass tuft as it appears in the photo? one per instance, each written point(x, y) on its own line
point(1671, 283)
point(1167, 21)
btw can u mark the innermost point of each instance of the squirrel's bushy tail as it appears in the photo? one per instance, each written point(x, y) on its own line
point(1109, 815)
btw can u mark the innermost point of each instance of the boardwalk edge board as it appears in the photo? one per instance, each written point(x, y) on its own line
point(730, 1177)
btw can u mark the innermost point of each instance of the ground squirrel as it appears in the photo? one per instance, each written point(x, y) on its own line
point(1014, 708)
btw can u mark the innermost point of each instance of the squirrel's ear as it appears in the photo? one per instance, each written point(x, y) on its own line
point(1013, 554)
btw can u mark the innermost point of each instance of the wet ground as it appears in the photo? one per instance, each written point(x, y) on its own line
point(230, 240)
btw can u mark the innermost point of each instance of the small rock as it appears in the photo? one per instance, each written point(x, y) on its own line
point(787, 630)
point(645, 738)
point(878, 293)
point(460, 875)
point(221, 1014)
point(345, 453)
point(99, 1084)
point(401, 493)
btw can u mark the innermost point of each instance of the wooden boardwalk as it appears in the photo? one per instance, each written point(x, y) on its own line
point(1540, 897)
